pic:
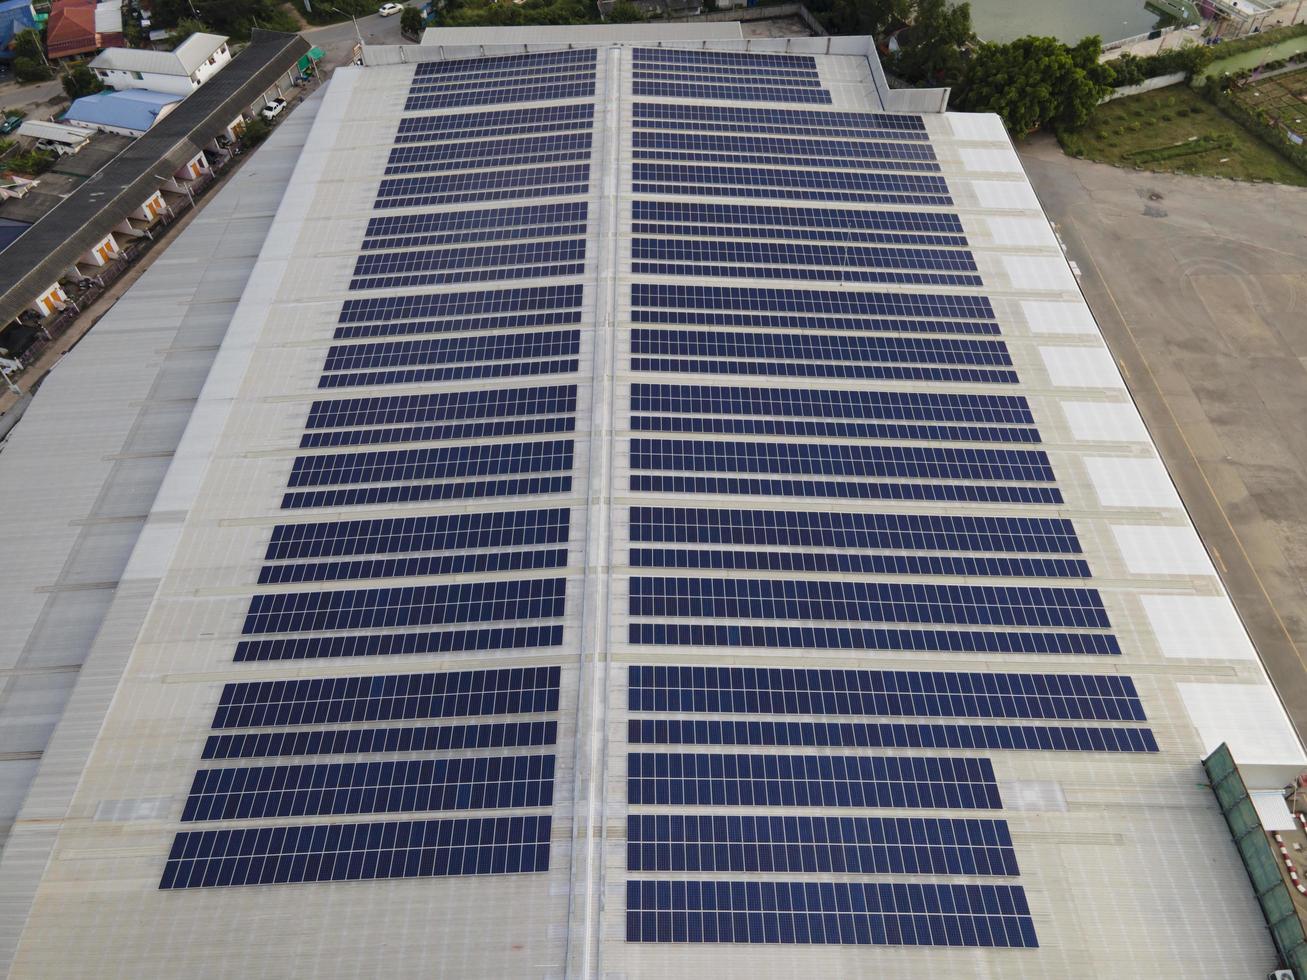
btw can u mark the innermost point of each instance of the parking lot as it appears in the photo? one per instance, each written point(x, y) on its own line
point(1200, 287)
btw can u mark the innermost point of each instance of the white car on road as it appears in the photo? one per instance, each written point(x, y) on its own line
point(387, 9)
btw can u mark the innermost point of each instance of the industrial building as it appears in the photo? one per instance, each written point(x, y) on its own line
point(621, 506)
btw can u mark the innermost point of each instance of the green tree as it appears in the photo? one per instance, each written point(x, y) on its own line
point(1035, 81)
point(873, 17)
point(934, 48)
point(81, 81)
point(411, 21)
point(28, 44)
point(184, 29)
point(30, 70)
point(625, 12)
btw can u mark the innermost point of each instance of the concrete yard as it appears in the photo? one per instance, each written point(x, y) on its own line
point(1200, 288)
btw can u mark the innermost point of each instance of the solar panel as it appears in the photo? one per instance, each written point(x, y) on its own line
point(358, 851)
point(833, 913)
point(819, 845)
point(738, 779)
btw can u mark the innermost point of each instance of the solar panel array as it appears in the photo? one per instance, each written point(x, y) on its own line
point(816, 381)
point(464, 395)
point(805, 324)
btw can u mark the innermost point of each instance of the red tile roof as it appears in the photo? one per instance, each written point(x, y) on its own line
point(71, 28)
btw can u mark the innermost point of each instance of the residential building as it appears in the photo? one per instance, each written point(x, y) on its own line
point(659, 508)
point(130, 113)
point(180, 71)
point(15, 16)
point(80, 27)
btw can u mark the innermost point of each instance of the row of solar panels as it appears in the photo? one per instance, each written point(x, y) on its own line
point(515, 761)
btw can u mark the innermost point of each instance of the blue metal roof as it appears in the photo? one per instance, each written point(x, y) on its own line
point(15, 16)
point(134, 109)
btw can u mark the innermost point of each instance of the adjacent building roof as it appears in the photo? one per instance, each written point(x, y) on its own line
point(182, 60)
point(134, 109)
point(71, 28)
point(69, 229)
point(15, 16)
point(42, 129)
point(108, 20)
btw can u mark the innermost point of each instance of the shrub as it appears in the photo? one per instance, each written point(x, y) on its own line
point(31, 70)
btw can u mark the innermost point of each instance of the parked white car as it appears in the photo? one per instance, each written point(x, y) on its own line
point(389, 9)
point(273, 109)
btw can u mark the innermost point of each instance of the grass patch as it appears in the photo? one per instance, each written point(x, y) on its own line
point(1169, 140)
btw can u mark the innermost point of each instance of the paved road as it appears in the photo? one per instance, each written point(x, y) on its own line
point(39, 100)
point(1200, 287)
point(338, 40)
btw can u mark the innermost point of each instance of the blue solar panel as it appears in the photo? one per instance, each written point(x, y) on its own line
point(822, 562)
point(824, 845)
point(471, 85)
point(852, 256)
point(444, 532)
point(399, 644)
point(751, 59)
point(704, 90)
point(830, 913)
point(488, 153)
point(914, 532)
point(826, 403)
point(437, 433)
point(408, 192)
point(787, 183)
point(501, 94)
point(333, 571)
point(916, 462)
point(387, 697)
point(463, 66)
point(823, 347)
point(351, 741)
point(385, 309)
point(432, 229)
point(482, 783)
point(475, 125)
point(464, 490)
point(908, 127)
point(358, 852)
point(754, 690)
point(850, 638)
point(890, 735)
point(840, 430)
point(916, 782)
point(767, 300)
point(438, 463)
point(839, 221)
point(819, 149)
point(465, 602)
point(884, 602)
point(386, 264)
point(446, 350)
point(846, 490)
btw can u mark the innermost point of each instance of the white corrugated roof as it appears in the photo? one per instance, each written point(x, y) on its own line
point(39, 129)
point(183, 60)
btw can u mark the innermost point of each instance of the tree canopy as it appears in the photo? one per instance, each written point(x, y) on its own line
point(1035, 81)
point(81, 81)
point(933, 50)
